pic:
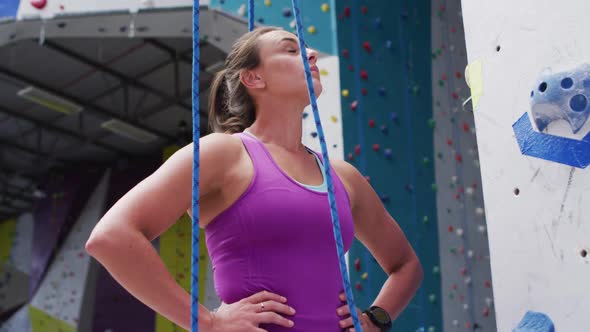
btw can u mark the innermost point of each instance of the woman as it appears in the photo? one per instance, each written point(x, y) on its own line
point(264, 210)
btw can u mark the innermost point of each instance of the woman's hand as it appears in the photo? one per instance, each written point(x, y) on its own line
point(246, 314)
point(366, 323)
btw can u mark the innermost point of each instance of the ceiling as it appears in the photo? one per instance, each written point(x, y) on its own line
point(145, 82)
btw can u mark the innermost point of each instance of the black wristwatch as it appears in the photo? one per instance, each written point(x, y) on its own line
point(379, 317)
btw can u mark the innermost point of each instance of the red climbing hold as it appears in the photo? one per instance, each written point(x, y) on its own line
point(357, 264)
point(357, 149)
point(458, 75)
point(376, 147)
point(443, 77)
point(458, 157)
point(364, 92)
point(350, 156)
point(39, 4)
point(488, 284)
point(464, 271)
point(371, 123)
point(450, 229)
point(449, 142)
point(345, 53)
point(354, 105)
point(364, 10)
point(347, 11)
point(453, 30)
point(364, 75)
point(359, 286)
point(455, 95)
point(465, 127)
point(486, 312)
point(367, 46)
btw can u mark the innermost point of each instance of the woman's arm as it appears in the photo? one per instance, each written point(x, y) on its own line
point(380, 233)
point(121, 239)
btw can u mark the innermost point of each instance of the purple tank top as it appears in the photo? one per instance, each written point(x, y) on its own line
point(278, 237)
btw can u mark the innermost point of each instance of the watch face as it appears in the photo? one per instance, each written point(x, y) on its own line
point(380, 315)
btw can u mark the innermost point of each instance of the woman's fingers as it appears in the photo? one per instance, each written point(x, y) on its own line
point(265, 296)
point(346, 322)
point(273, 318)
point(272, 306)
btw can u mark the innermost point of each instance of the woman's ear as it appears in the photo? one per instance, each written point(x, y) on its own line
point(252, 80)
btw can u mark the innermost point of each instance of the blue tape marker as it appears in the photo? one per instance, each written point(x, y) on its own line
point(9, 8)
point(558, 149)
point(535, 322)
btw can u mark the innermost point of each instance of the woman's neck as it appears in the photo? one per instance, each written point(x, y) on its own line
point(280, 125)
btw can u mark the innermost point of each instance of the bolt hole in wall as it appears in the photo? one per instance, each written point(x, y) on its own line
point(498, 48)
point(516, 191)
point(583, 253)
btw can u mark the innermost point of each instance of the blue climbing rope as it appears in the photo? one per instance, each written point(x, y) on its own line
point(327, 173)
point(250, 15)
point(195, 198)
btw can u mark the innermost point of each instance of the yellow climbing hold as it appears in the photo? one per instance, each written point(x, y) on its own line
point(325, 7)
point(267, 3)
point(365, 276)
point(324, 72)
point(345, 93)
point(311, 29)
point(334, 118)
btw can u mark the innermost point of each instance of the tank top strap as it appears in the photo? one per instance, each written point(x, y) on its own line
point(258, 153)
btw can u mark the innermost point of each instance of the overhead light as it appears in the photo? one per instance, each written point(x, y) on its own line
point(129, 131)
point(50, 100)
point(214, 68)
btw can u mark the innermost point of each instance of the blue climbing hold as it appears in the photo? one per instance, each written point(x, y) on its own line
point(561, 96)
point(287, 12)
point(535, 322)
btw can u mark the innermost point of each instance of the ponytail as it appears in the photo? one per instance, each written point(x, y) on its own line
point(231, 108)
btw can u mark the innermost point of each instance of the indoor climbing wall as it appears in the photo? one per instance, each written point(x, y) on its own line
point(330, 111)
point(467, 297)
point(54, 215)
point(15, 259)
point(115, 309)
point(62, 301)
point(384, 50)
point(530, 85)
point(20, 321)
point(175, 250)
point(317, 17)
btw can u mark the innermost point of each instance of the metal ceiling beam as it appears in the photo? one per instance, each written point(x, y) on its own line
point(120, 76)
point(137, 77)
point(16, 197)
point(171, 51)
point(64, 132)
point(28, 150)
point(89, 106)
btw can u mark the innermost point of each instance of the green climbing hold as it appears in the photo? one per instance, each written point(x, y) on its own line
point(432, 298)
point(431, 123)
point(425, 161)
point(434, 187)
point(441, 83)
point(425, 220)
point(439, 155)
point(436, 270)
point(431, 329)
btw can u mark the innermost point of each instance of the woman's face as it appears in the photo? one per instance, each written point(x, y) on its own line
point(281, 67)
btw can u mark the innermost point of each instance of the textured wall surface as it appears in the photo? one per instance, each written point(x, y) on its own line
point(384, 49)
point(464, 250)
point(536, 208)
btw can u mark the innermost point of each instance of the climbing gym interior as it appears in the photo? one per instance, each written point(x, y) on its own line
point(469, 119)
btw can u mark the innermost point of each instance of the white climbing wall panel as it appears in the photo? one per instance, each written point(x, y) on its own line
point(537, 210)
